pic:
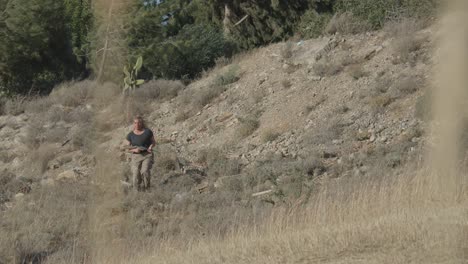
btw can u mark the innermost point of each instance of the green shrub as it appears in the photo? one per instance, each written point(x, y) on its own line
point(228, 77)
point(312, 24)
point(185, 55)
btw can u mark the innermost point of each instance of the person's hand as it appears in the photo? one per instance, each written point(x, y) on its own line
point(150, 149)
point(135, 150)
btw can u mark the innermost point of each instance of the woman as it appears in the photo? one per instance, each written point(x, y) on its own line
point(141, 142)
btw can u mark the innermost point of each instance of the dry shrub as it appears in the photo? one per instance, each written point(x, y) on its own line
point(105, 93)
point(327, 67)
point(57, 134)
point(357, 71)
point(325, 132)
point(382, 85)
point(217, 163)
point(182, 115)
point(287, 50)
point(346, 23)
point(159, 90)
point(380, 102)
point(316, 102)
point(205, 95)
point(73, 94)
point(405, 85)
point(38, 105)
point(247, 127)
point(286, 83)
point(405, 42)
point(270, 135)
point(82, 137)
point(39, 159)
point(165, 160)
point(48, 221)
point(15, 106)
point(34, 135)
point(423, 108)
point(6, 155)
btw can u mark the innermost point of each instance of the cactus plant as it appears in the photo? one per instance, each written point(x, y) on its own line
point(130, 81)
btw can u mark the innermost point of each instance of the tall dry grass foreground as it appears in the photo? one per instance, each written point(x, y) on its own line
point(417, 217)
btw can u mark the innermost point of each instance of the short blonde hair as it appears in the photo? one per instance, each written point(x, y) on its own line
point(140, 118)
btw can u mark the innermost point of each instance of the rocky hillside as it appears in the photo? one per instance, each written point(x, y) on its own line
point(259, 131)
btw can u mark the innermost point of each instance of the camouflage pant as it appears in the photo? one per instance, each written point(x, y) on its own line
point(141, 170)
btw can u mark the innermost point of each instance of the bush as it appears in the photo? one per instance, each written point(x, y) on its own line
point(312, 24)
point(327, 68)
point(270, 135)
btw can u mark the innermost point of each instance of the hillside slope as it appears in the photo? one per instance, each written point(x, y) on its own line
point(261, 160)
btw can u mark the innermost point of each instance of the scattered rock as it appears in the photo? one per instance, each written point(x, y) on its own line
point(315, 78)
point(66, 175)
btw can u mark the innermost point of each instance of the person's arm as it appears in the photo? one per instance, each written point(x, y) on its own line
point(153, 143)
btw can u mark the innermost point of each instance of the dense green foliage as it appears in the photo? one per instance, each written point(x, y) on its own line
point(178, 39)
point(42, 43)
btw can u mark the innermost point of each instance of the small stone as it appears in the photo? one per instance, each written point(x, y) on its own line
point(372, 138)
point(315, 78)
point(19, 196)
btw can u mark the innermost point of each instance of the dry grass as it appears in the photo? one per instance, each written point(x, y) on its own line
point(373, 219)
point(205, 95)
point(39, 159)
point(48, 220)
point(73, 94)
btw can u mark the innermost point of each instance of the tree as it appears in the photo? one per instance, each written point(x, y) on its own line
point(36, 47)
point(264, 21)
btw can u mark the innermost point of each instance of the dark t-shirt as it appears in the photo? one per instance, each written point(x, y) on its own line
point(143, 140)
